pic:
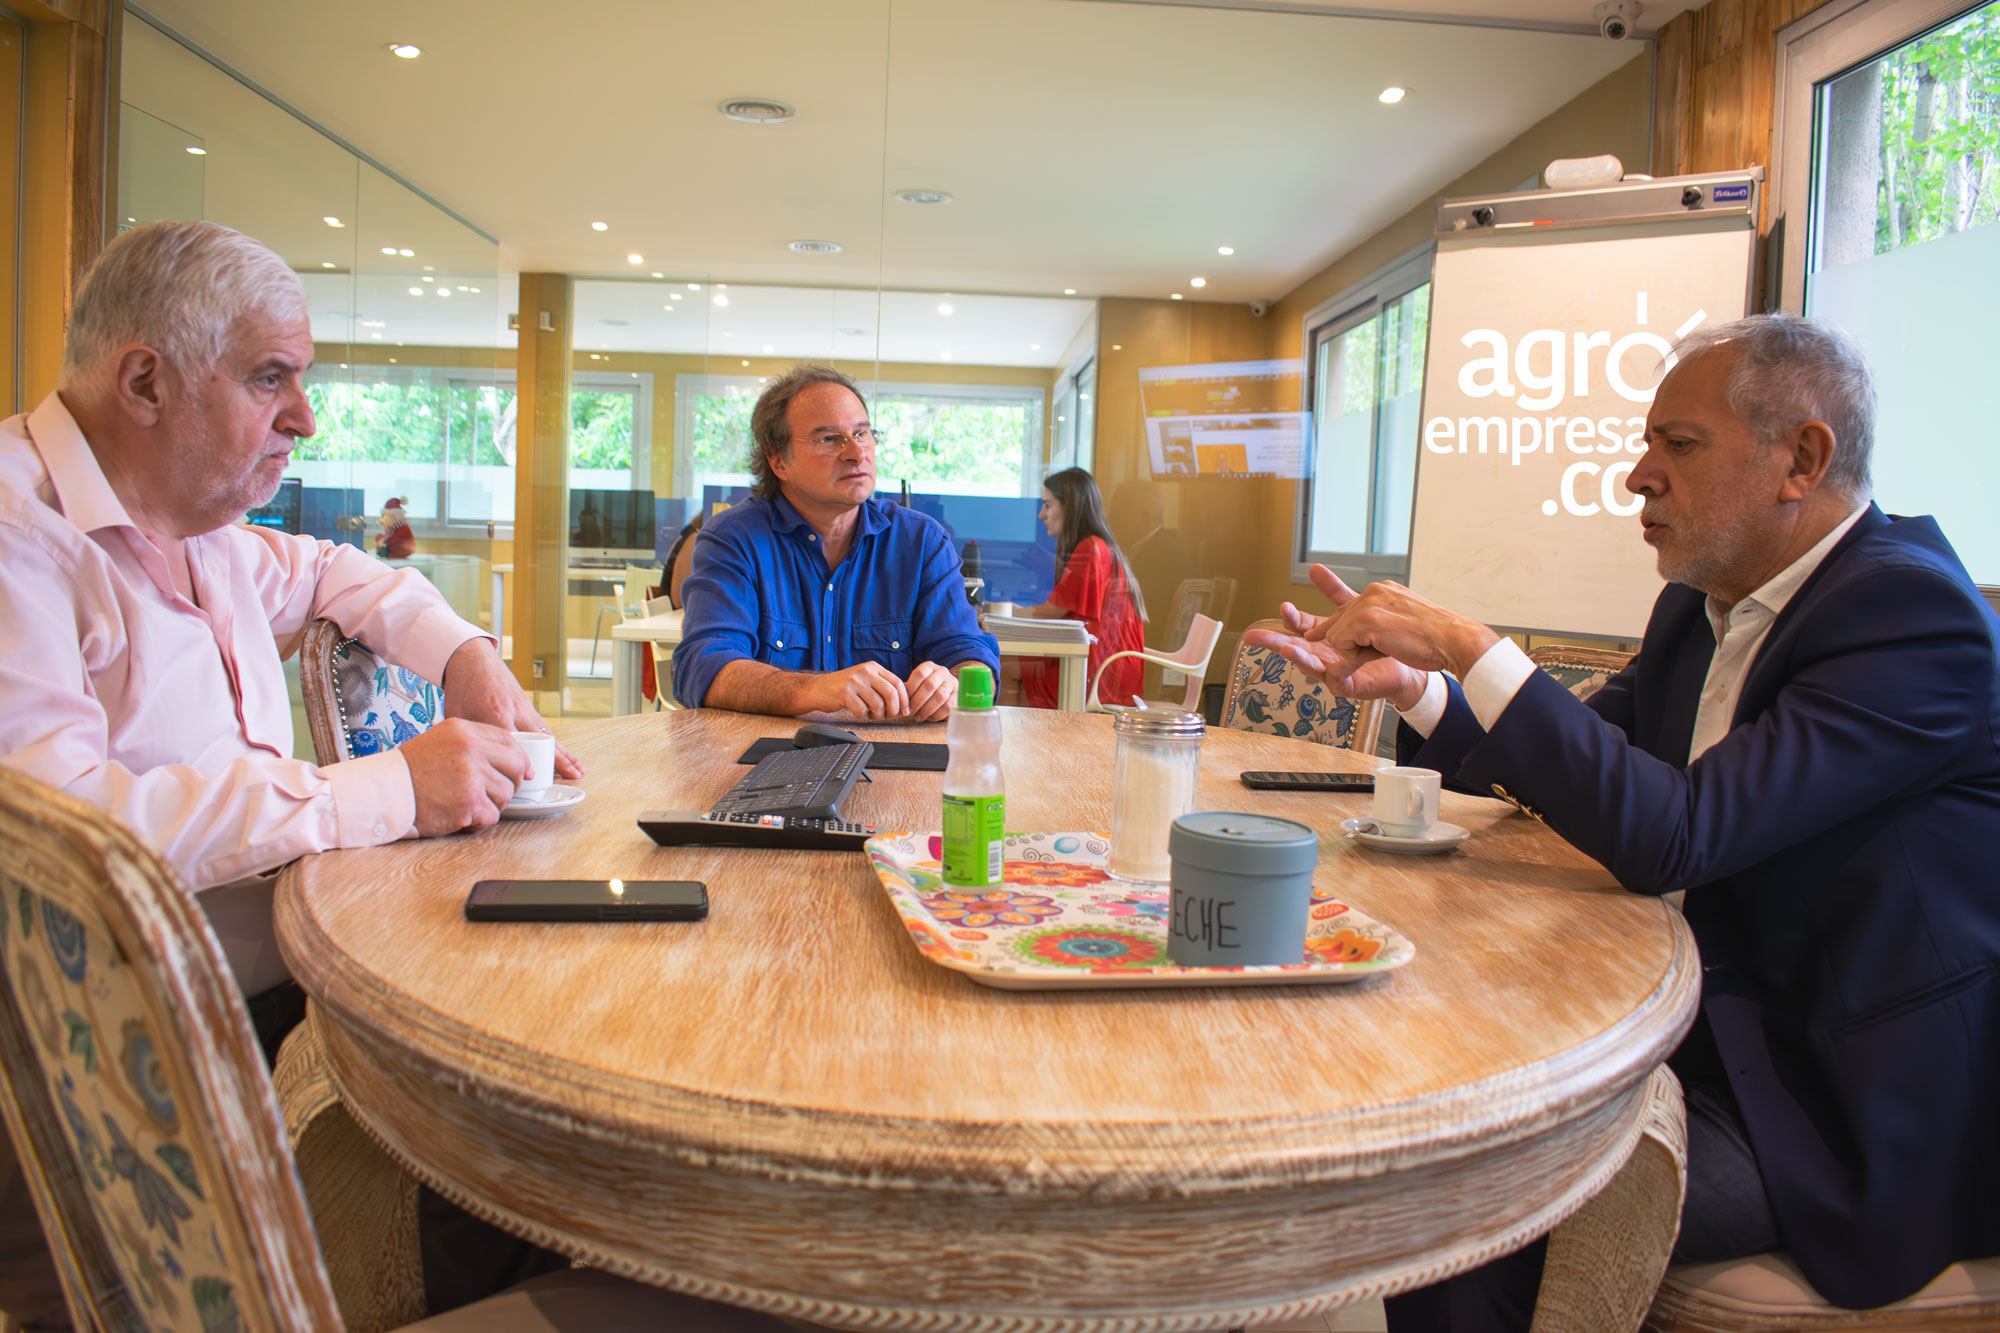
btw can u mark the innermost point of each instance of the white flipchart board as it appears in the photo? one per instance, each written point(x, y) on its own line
point(1545, 345)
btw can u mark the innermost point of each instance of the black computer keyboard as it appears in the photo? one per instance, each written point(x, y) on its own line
point(802, 784)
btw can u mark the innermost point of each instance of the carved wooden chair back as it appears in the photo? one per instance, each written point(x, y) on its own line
point(134, 1089)
point(356, 703)
point(1581, 671)
point(1269, 694)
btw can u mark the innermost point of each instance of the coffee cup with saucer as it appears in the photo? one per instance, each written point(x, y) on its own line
point(1439, 837)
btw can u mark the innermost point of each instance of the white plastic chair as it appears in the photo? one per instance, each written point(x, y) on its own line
point(1192, 661)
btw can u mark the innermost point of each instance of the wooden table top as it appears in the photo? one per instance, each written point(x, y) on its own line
point(798, 1036)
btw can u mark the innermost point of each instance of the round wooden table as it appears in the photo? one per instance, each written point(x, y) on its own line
point(787, 1107)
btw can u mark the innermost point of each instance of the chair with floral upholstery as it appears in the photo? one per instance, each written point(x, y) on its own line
point(133, 1089)
point(1581, 671)
point(356, 703)
point(1269, 694)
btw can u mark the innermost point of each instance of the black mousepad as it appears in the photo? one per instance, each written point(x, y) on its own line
point(912, 756)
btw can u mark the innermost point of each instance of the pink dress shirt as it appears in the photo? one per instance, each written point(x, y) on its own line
point(172, 714)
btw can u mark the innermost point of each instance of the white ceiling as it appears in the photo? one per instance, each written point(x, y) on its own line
point(1106, 147)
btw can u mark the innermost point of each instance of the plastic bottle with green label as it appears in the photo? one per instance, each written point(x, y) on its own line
point(975, 802)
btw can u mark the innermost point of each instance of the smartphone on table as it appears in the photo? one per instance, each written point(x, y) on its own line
point(1338, 782)
point(587, 900)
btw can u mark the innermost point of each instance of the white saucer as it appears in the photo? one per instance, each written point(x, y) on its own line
point(557, 800)
point(1441, 838)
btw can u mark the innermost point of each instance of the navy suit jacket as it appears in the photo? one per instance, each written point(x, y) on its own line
point(1841, 852)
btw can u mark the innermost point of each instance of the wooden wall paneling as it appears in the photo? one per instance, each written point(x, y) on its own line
point(541, 495)
point(1672, 95)
point(13, 73)
point(71, 103)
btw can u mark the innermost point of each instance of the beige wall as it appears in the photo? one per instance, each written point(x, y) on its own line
point(1243, 529)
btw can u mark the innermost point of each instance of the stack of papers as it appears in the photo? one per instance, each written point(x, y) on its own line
point(1027, 629)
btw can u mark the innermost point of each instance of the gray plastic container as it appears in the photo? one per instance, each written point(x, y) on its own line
point(1242, 889)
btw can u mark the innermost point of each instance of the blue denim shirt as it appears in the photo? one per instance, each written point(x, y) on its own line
point(760, 589)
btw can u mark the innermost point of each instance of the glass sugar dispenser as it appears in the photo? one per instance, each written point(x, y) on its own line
point(1153, 784)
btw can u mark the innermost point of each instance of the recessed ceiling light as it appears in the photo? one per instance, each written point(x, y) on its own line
point(1175, 297)
point(329, 221)
point(392, 360)
point(198, 152)
point(635, 259)
point(945, 354)
point(720, 299)
point(1117, 347)
point(755, 110)
point(1225, 249)
point(673, 296)
point(462, 287)
point(326, 263)
point(443, 292)
point(659, 275)
point(746, 363)
point(768, 349)
point(1391, 95)
point(1069, 291)
point(923, 196)
point(416, 291)
point(694, 286)
point(944, 309)
point(669, 309)
point(722, 286)
point(407, 254)
point(388, 249)
point(430, 268)
point(595, 357)
point(374, 335)
point(1197, 282)
point(426, 279)
point(373, 324)
point(407, 51)
point(816, 247)
point(600, 226)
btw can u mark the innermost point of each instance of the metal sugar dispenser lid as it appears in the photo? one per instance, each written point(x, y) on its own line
point(1155, 723)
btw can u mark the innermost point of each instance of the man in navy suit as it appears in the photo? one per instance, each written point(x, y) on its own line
point(1808, 744)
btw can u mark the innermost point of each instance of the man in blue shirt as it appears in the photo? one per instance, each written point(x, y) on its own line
point(815, 596)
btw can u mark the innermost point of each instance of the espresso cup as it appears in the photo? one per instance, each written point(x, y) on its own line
point(541, 748)
point(1406, 801)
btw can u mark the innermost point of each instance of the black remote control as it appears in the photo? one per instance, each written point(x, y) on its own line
point(687, 828)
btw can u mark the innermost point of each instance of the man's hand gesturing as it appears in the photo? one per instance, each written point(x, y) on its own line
point(1379, 643)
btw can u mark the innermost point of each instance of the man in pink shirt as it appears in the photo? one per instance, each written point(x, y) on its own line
point(143, 630)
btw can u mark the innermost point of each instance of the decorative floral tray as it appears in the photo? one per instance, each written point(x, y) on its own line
point(1061, 922)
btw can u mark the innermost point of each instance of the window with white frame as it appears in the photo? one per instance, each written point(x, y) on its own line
point(1364, 388)
point(1888, 163)
point(950, 439)
point(443, 437)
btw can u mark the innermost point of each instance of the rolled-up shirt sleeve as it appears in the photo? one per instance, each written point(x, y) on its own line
point(720, 602)
point(947, 626)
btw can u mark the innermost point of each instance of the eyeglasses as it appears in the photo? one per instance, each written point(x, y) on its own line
point(830, 442)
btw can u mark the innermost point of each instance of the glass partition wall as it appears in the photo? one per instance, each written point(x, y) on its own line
point(1033, 260)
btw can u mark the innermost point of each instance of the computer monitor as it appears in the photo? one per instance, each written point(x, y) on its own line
point(611, 524)
point(1226, 418)
point(282, 512)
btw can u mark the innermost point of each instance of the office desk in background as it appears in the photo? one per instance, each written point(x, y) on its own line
point(593, 579)
point(787, 1107)
point(628, 640)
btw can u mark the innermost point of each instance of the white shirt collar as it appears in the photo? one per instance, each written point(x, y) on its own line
point(1771, 598)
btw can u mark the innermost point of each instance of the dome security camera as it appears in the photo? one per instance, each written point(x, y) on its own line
point(1617, 18)
point(1258, 308)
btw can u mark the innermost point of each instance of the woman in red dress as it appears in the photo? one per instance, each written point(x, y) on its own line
point(1094, 585)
